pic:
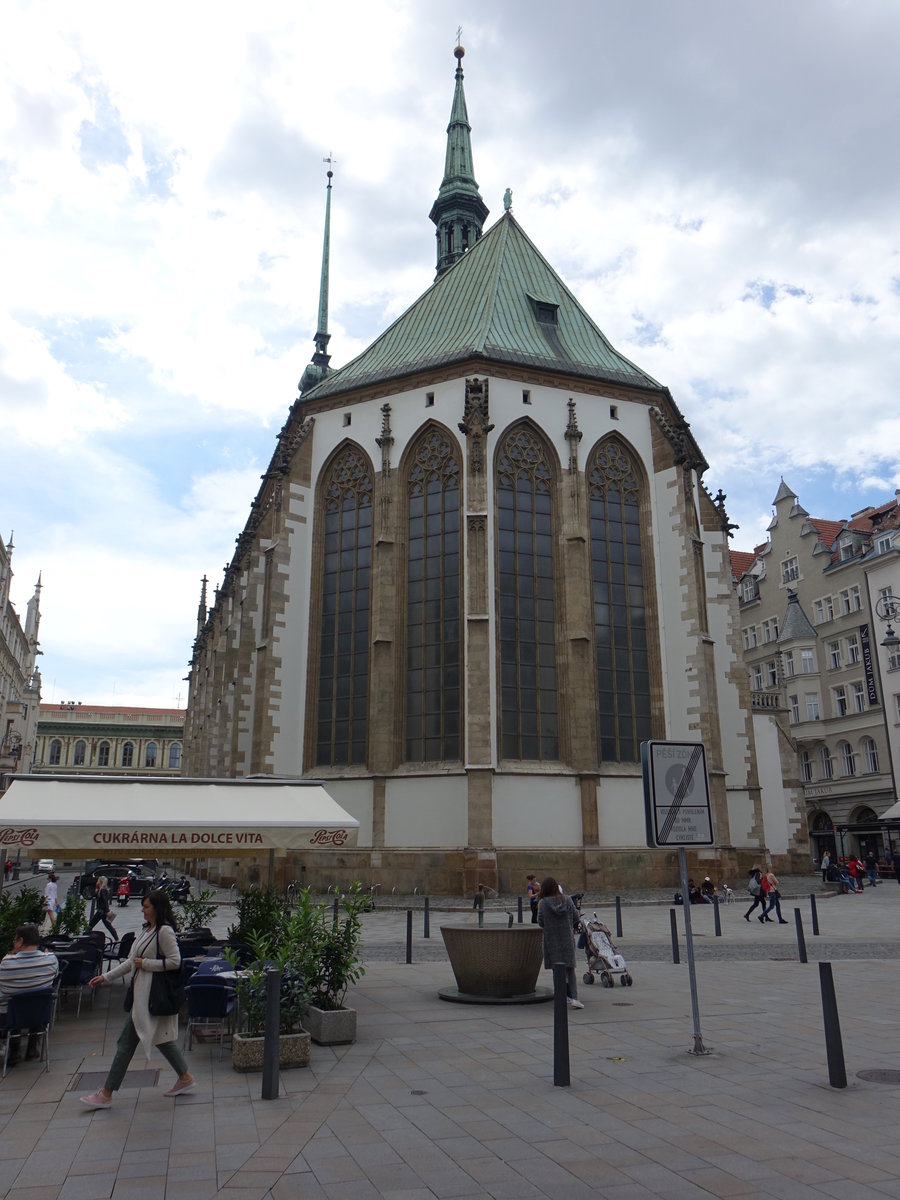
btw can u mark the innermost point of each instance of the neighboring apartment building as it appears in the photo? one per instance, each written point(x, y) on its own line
point(825, 693)
point(104, 740)
point(20, 680)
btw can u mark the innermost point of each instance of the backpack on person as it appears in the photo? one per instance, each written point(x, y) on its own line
point(754, 887)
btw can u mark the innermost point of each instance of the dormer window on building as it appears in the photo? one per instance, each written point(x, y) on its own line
point(847, 549)
point(883, 543)
point(748, 589)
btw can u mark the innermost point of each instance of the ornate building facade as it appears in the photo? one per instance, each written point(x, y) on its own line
point(75, 739)
point(482, 568)
point(20, 680)
point(815, 604)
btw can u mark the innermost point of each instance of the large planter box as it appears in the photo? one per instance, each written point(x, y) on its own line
point(331, 1027)
point(495, 963)
point(247, 1052)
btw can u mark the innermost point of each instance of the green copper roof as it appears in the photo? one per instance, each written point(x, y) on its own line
point(502, 302)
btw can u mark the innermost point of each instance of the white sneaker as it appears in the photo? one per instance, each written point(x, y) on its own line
point(97, 1100)
point(573, 1003)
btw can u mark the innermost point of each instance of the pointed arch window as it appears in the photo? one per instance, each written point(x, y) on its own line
point(433, 643)
point(528, 696)
point(620, 627)
point(342, 713)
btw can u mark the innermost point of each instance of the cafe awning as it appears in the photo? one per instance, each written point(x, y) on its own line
point(139, 816)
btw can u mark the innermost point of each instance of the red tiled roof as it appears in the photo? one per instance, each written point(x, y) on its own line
point(741, 562)
point(827, 530)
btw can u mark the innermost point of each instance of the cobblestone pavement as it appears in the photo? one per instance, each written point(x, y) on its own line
point(438, 1100)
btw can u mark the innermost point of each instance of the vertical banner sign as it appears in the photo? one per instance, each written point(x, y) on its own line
point(867, 663)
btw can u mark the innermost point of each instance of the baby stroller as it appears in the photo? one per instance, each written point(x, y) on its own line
point(602, 958)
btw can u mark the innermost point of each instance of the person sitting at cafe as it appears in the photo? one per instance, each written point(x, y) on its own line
point(26, 968)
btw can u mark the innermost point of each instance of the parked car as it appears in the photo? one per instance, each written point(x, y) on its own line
point(141, 877)
point(46, 864)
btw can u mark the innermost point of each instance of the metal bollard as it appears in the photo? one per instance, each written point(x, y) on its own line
point(676, 957)
point(273, 1034)
point(561, 1073)
point(479, 905)
point(509, 923)
point(834, 1046)
point(717, 919)
point(427, 919)
point(335, 916)
point(815, 914)
point(618, 916)
point(801, 940)
point(409, 935)
point(519, 907)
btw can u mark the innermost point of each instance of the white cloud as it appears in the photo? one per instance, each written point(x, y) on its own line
point(712, 182)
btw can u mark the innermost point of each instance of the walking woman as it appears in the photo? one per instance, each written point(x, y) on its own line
point(51, 898)
point(557, 916)
point(755, 888)
point(102, 906)
point(155, 949)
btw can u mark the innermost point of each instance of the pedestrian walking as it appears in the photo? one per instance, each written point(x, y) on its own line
point(155, 949)
point(102, 906)
point(754, 887)
point(872, 868)
point(51, 897)
point(557, 916)
point(774, 897)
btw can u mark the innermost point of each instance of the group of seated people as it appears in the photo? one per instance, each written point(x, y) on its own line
point(27, 968)
point(706, 893)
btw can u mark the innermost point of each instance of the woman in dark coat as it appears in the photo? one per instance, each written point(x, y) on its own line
point(557, 916)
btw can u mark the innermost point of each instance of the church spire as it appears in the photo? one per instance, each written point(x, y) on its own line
point(318, 368)
point(201, 611)
point(459, 211)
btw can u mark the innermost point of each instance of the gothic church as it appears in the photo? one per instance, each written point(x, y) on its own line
point(481, 568)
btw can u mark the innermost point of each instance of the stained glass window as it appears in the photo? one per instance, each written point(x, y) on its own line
point(528, 697)
point(342, 713)
point(620, 629)
point(433, 636)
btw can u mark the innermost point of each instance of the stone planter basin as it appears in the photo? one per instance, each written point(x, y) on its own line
point(494, 964)
point(247, 1052)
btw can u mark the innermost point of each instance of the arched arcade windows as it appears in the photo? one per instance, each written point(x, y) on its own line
point(433, 590)
point(620, 630)
point(528, 695)
point(343, 667)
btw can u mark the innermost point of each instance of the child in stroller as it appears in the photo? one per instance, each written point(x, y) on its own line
point(602, 958)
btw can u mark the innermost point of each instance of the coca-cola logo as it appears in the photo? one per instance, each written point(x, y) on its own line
point(328, 837)
point(18, 837)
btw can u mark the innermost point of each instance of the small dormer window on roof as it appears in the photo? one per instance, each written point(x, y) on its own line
point(546, 311)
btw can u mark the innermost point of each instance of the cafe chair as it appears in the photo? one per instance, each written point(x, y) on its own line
point(116, 952)
point(30, 1013)
point(77, 973)
point(210, 1006)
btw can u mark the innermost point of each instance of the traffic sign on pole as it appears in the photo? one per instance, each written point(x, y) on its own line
point(676, 794)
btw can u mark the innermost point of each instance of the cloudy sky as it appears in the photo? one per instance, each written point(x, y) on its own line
point(718, 184)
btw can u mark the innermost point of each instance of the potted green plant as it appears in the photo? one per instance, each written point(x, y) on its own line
point(329, 957)
point(70, 920)
point(197, 911)
point(247, 1044)
point(18, 908)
